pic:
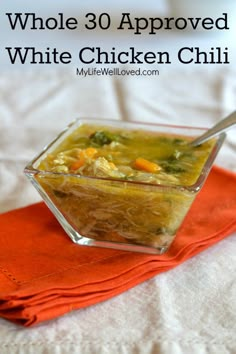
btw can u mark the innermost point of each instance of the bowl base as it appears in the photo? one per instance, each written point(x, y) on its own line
point(85, 241)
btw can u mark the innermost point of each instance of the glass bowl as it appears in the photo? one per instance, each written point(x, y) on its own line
point(119, 213)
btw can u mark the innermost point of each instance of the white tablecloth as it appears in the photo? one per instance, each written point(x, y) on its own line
point(190, 309)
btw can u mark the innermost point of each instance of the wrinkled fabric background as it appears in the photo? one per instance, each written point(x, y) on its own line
point(188, 309)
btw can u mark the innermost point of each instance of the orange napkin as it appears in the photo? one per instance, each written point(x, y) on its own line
point(43, 274)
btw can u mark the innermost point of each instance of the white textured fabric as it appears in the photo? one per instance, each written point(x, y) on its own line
point(190, 309)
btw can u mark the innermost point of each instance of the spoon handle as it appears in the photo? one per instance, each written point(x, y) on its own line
point(216, 129)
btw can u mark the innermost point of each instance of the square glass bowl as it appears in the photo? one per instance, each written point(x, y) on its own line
point(118, 213)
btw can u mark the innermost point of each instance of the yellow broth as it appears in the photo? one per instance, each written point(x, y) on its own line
point(108, 152)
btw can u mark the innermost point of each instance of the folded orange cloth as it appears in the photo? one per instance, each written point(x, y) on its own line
point(43, 274)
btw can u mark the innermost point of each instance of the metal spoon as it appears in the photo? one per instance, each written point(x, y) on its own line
point(221, 126)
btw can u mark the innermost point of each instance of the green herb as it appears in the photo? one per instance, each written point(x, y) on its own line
point(172, 166)
point(100, 138)
point(179, 141)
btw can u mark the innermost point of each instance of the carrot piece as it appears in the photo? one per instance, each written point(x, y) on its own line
point(89, 152)
point(86, 153)
point(77, 164)
point(145, 165)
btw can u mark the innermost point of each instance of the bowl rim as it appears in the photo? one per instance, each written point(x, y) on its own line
point(30, 170)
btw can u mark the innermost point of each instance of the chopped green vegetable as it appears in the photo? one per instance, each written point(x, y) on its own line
point(179, 141)
point(100, 137)
point(172, 167)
